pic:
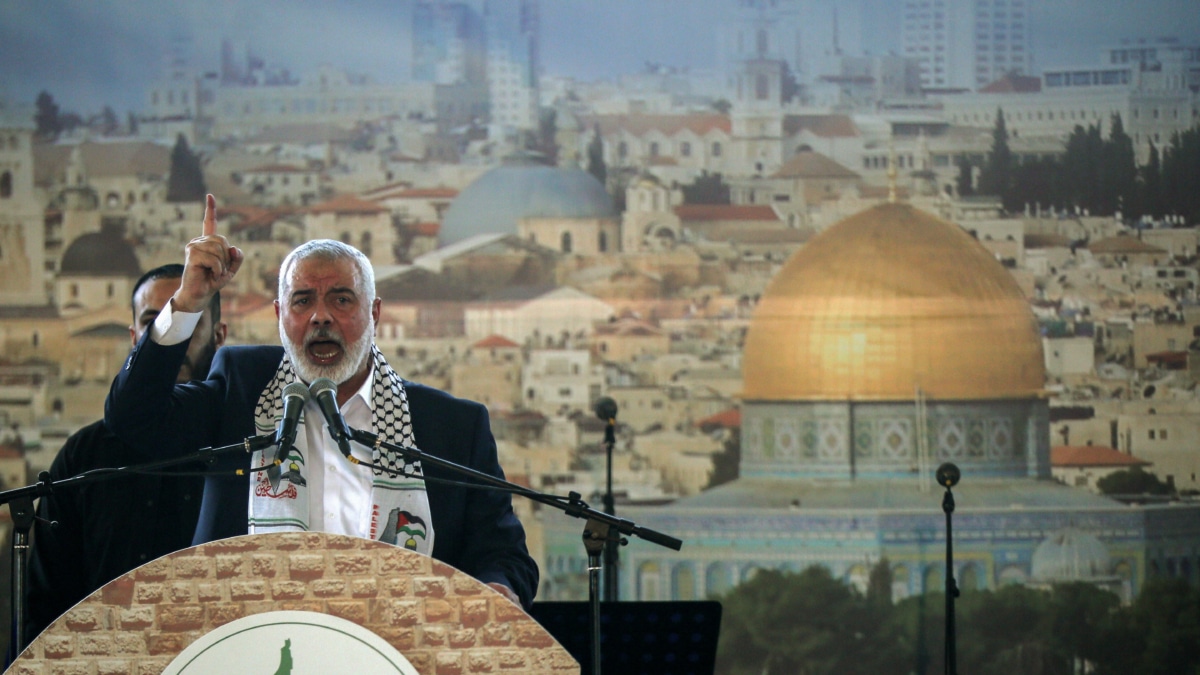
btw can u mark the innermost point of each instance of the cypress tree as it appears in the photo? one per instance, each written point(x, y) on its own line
point(595, 157)
point(1150, 186)
point(1118, 172)
point(996, 178)
point(186, 181)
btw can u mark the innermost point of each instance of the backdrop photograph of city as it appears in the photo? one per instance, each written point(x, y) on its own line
point(812, 251)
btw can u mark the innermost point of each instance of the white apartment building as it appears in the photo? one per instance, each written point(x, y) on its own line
point(1154, 99)
point(512, 91)
point(558, 381)
point(966, 44)
point(1168, 441)
point(325, 96)
point(448, 43)
point(540, 315)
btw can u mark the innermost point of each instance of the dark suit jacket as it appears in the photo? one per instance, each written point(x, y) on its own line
point(105, 528)
point(476, 530)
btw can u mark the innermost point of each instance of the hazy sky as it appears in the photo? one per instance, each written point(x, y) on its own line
point(91, 52)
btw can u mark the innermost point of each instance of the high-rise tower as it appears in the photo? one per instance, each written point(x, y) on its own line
point(967, 44)
point(513, 34)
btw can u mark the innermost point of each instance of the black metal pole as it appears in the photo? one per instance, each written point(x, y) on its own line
point(595, 539)
point(612, 555)
point(947, 476)
point(951, 589)
point(606, 409)
point(23, 517)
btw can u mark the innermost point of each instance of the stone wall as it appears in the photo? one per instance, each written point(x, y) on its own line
point(442, 620)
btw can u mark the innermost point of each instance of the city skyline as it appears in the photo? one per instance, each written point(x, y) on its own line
point(109, 53)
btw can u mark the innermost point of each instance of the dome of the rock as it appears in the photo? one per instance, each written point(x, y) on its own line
point(886, 302)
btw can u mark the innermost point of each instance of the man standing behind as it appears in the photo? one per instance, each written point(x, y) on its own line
point(328, 312)
point(111, 526)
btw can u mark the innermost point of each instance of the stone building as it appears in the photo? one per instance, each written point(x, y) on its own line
point(890, 344)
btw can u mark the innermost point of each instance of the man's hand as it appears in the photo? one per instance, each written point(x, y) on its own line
point(506, 592)
point(209, 264)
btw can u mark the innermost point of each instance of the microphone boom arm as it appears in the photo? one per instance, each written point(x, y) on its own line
point(23, 514)
point(573, 506)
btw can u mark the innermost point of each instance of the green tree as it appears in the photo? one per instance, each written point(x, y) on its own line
point(1003, 631)
point(595, 157)
point(108, 121)
point(918, 629)
point(186, 180)
point(726, 462)
point(1150, 185)
point(1082, 623)
point(708, 188)
point(1117, 171)
point(547, 136)
point(722, 105)
point(48, 124)
point(1134, 481)
point(70, 121)
point(1180, 166)
point(996, 178)
point(1081, 167)
point(1037, 183)
point(879, 584)
point(1167, 614)
point(806, 623)
point(965, 182)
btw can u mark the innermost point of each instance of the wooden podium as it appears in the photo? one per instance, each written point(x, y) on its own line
point(443, 621)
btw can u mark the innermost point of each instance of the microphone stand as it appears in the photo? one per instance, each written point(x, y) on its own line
point(599, 530)
point(611, 552)
point(23, 514)
point(948, 475)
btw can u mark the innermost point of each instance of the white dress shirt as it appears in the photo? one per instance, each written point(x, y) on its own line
point(339, 492)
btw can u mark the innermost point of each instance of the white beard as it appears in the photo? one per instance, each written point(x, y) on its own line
point(353, 356)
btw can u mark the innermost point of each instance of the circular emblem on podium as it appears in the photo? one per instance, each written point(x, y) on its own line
point(286, 642)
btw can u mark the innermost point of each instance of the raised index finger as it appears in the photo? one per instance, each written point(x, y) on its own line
point(210, 216)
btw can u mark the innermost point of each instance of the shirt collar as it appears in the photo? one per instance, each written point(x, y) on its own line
point(368, 386)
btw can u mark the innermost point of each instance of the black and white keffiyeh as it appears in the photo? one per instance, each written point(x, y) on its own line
point(399, 502)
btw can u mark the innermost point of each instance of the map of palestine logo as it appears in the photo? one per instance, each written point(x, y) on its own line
point(285, 658)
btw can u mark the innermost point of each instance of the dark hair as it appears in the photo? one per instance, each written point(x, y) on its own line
point(172, 271)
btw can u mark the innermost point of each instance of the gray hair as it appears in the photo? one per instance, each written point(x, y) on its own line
point(329, 250)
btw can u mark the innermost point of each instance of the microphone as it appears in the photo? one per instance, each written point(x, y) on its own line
point(295, 395)
point(323, 390)
point(948, 475)
point(606, 409)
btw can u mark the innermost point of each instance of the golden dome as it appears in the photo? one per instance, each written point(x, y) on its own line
point(886, 301)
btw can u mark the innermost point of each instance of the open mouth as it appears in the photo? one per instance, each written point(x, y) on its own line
point(324, 352)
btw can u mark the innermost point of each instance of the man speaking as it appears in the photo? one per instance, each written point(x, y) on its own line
point(327, 313)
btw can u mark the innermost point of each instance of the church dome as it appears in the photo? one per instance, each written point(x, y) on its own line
point(523, 187)
point(1070, 555)
point(887, 301)
point(100, 254)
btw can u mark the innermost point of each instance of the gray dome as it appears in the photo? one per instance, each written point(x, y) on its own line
point(100, 254)
point(519, 188)
point(1070, 555)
